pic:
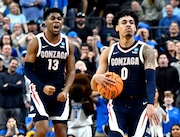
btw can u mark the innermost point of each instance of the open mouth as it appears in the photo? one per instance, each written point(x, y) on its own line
point(56, 27)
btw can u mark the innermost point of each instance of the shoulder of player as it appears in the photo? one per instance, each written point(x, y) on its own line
point(147, 50)
point(105, 51)
point(33, 45)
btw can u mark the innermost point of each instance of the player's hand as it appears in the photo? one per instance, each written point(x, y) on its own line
point(62, 96)
point(152, 115)
point(104, 80)
point(49, 90)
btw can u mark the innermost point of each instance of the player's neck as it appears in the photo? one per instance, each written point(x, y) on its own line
point(52, 38)
point(126, 43)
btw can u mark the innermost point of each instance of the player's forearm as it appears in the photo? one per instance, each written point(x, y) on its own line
point(150, 85)
point(28, 70)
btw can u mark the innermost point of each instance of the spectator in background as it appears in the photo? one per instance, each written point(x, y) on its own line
point(177, 66)
point(91, 41)
point(75, 6)
point(6, 39)
point(17, 34)
point(167, 77)
point(5, 7)
point(42, 27)
point(157, 131)
point(32, 9)
point(76, 42)
point(173, 112)
point(11, 129)
point(176, 10)
point(175, 130)
point(81, 28)
point(32, 27)
point(164, 23)
point(64, 29)
point(152, 11)
point(6, 20)
point(2, 67)
point(20, 68)
point(143, 35)
point(6, 52)
point(173, 35)
point(11, 93)
point(31, 128)
point(136, 7)
point(88, 57)
point(107, 33)
point(16, 16)
point(97, 40)
point(6, 25)
point(171, 51)
point(61, 4)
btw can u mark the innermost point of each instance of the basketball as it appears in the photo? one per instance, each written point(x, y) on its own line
point(115, 89)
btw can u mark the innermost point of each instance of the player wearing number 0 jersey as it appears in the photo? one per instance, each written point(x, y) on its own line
point(129, 64)
point(134, 61)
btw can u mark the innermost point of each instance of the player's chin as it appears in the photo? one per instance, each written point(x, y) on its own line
point(129, 35)
point(56, 33)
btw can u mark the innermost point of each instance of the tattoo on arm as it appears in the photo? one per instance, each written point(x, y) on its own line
point(149, 57)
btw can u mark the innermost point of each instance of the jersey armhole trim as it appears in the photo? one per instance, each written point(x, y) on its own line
point(141, 53)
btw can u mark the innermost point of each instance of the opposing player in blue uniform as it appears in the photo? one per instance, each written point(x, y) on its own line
point(49, 64)
point(134, 61)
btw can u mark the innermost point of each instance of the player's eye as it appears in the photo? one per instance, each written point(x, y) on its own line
point(131, 22)
point(124, 22)
point(59, 18)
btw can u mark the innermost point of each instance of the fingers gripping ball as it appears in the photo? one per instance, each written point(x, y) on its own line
point(115, 89)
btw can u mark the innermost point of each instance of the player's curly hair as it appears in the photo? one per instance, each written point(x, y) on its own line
point(123, 13)
point(52, 10)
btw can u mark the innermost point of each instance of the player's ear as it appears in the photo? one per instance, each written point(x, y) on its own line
point(117, 28)
point(135, 29)
point(45, 22)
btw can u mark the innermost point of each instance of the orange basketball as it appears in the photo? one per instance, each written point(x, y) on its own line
point(115, 89)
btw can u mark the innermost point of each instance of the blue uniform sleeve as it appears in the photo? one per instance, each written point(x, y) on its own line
point(150, 85)
point(28, 70)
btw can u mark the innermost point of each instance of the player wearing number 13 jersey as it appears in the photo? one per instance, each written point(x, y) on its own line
point(49, 64)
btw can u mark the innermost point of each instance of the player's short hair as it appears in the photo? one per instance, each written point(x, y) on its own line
point(52, 10)
point(123, 13)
